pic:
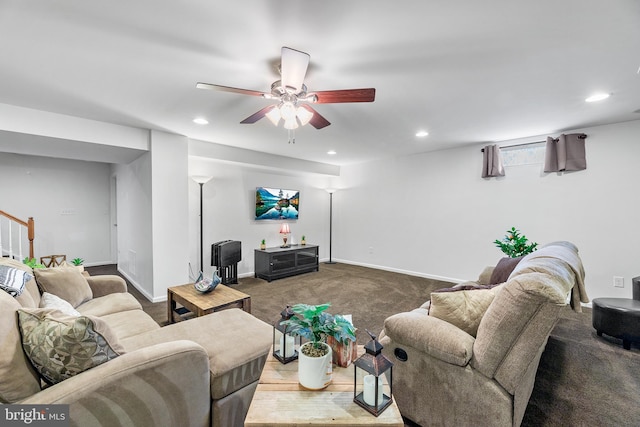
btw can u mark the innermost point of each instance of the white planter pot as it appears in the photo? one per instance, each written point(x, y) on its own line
point(314, 373)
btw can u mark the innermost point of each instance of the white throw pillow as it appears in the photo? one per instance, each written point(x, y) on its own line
point(52, 301)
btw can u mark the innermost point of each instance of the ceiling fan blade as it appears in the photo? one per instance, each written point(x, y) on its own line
point(257, 116)
point(348, 95)
point(210, 86)
point(317, 121)
point(293, 68)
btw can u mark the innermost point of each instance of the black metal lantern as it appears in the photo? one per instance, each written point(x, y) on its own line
point(284, 344)
point(369, 386)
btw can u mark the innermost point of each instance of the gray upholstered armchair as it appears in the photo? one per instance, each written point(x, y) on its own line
point(444, 375)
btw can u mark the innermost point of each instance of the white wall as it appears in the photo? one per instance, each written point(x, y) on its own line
point(170, 228)
point(152, 203)
point(433, 215)
point(229, 209)
point(135, 243)
point(68, 199)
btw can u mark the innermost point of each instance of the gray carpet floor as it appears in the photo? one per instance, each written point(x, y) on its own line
point(582, 380)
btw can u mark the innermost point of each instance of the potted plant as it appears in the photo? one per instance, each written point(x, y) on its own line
point(78, 263)
point(514, 245)
point(303, 241)
point(313, 323)
point(31, 262)
point(263, 245)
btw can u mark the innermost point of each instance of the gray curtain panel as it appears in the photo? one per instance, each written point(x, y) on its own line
point(492, 162)
point(567, 153)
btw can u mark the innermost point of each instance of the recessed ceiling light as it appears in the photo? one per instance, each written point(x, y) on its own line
point(200, 121)
point(597, 97)
point(332, 152)
point(422, 133)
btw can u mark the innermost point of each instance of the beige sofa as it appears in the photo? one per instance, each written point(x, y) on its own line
point(199, 372)
point(456, 373)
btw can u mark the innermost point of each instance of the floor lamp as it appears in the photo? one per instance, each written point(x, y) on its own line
point(330, 191)
point(202, 180)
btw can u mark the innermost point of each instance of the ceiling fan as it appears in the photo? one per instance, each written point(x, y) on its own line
point(293, 97)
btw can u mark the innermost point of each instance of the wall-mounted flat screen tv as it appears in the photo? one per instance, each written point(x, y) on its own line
point(277, 203)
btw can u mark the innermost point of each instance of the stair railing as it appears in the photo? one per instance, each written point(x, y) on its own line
point(20, 226)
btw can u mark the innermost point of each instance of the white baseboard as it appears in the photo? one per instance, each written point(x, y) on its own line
point(379, 267)
point(397, 270)
point(141, 289)
point(97, 263)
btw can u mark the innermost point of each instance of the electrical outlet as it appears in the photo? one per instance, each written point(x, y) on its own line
point(618, 281)
point(370, 249)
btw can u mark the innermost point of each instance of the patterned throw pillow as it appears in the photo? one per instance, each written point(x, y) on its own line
point(61, 346)
point(13, 280)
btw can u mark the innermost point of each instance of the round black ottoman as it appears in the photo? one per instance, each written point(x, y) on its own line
point(617, 317)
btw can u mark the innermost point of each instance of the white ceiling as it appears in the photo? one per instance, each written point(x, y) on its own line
point(467, 71)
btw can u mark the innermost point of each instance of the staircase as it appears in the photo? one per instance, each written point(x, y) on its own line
point(15, 234)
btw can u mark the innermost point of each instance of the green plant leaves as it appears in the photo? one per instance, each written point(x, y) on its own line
point(31, 262)
point(313, 323)
point(514, 245)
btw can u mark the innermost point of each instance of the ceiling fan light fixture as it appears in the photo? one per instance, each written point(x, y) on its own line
point(274, 115)
point(303, 115)
point(288, 111)
point(291, 124)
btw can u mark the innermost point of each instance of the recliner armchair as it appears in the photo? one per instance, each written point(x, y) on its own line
point(444, 376)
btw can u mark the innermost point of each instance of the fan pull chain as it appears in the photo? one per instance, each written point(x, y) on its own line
point(292, 136)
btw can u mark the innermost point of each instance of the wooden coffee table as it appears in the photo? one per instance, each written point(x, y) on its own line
point(280, 400)
point(199, 304)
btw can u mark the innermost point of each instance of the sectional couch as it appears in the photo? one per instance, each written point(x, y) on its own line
point(199, 372)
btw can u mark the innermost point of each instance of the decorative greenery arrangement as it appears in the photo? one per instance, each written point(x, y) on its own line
point(313, 323)
point(31, 262)
point(263, 242)
point(77, 261)
point(515, 244)
point(303, 238)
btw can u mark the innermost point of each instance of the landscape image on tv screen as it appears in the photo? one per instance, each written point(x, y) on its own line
point(277, 203)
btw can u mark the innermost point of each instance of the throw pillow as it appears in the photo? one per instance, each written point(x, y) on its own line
point(66, 282)
point(13, 280)
point(54, 302)
point(60, 346)
point(463, 308)
point(503, 270)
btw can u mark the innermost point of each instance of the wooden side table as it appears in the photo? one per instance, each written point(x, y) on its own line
point(280, 400)
point(199, 304)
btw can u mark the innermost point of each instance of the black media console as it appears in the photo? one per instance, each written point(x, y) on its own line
point(276, 263)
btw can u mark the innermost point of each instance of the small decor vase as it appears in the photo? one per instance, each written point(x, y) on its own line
point(343, 353)
point(206, 285)
point(314, 373)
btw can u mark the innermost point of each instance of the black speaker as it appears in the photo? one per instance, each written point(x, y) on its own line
point(636, 288)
